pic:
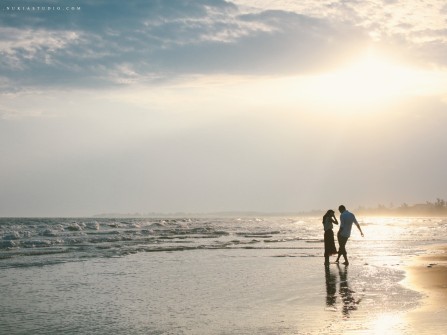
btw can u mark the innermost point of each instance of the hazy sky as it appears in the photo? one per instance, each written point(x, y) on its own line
point(211, 105)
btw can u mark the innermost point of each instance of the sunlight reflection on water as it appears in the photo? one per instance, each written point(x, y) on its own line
point(388, 323)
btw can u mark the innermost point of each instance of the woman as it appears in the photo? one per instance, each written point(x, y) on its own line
point(329, 243)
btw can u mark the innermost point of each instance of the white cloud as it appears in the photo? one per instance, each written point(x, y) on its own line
point(402, 24)
point(20, 47)
point(200, 39)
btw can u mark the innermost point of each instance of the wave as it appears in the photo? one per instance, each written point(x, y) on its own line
point(84, 238)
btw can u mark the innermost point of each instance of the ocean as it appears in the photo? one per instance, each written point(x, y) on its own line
point(206, 275)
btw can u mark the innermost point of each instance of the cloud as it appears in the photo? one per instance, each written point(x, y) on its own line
point(400, 25)
point(111, 43)
point(20, 47)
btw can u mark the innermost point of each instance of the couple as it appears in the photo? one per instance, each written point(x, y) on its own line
point(346, 221)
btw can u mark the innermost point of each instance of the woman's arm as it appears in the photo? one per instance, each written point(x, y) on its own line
point(334, 220)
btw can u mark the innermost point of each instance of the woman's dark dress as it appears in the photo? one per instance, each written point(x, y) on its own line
point(329, 243)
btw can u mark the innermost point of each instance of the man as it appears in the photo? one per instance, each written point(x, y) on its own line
point(346, 221)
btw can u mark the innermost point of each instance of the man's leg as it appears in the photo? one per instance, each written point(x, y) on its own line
point(342, 250)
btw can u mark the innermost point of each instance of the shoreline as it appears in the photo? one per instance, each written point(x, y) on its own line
point(427, 274)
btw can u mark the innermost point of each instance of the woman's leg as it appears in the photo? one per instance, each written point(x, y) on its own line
point(339, 247)
point(326, 247)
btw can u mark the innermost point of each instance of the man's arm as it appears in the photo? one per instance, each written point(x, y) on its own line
point(358, 226)
point(341, 224)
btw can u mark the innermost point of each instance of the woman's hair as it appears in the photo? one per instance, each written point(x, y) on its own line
point(329, 213)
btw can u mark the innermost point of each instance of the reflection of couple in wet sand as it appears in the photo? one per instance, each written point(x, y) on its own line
point(348, 300)
point(346, 220)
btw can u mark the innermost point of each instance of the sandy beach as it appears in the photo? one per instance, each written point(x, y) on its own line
point(428, 274)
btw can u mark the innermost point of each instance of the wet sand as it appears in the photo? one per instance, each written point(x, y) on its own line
point(428, 274)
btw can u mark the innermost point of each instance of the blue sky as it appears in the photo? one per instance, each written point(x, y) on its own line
point(202, 106)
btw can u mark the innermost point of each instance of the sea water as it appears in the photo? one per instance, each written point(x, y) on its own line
point(205, 276)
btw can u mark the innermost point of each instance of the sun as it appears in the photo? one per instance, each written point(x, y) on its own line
point(367, 80)
point(372, 79)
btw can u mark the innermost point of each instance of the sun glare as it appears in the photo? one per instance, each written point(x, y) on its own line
point(372, 80)
point(366, 81)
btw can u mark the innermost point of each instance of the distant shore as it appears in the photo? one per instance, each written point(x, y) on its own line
point(359, 215)
point(428, 209)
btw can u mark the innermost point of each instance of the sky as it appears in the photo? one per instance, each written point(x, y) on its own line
point(211, 105)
